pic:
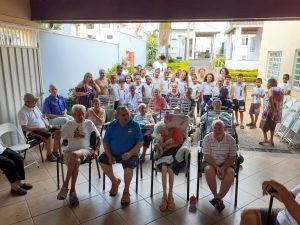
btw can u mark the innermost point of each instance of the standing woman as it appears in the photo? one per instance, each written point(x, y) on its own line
point(208, 89)
point(102, 82)
point(86, 91)
point(272, 111)
point(183, 82)
point(223, 73)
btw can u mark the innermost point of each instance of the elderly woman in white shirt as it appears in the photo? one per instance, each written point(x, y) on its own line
point(147, 123)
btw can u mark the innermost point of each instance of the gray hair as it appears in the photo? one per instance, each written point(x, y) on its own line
point(218, 121)
point(121, 108)
point(157, 128)
point(52, 86)
point(78, 107)
point(140, 105)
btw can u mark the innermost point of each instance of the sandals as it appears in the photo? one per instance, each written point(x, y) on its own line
point(114, 188)
point(242, 126)
point(19, 191)
point(26, 186)
point(74, 199)
point(218, 204)
point(164, 204)
point(125, 200)
point(63, 193)
point(266, 142)
point(171, 204)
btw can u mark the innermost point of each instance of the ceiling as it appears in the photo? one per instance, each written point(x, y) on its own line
point(162, 10)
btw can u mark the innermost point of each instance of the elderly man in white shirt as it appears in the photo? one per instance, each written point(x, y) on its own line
point(133, 99)
point(219, 154)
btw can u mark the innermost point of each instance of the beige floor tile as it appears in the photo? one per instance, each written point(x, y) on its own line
point(45, 203)
point(233, 219)
point(251, 186)
point(91, 208)
point(14, 213)
point(82, 191)
point(244, 198)
point(184, 216)
point(25, 222)
point(62, 216)
point(139, 213)
point(41, 188)
point(36, 174)
point(145, 187)
point(110, 218)
point(6, 198)
point(161, 221)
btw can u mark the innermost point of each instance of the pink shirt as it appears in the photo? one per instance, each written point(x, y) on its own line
point(156, 104)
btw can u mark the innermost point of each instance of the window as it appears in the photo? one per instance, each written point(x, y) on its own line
point(244, 40)
point(105, 25)
point(89, 26)
point(273, 66)
point(296, 79)
point(252, 44)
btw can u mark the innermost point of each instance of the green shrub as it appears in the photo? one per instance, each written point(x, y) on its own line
point(113, 70)
point(71, 100)
point(182, 65)
point(249, 75)
point(219, 62)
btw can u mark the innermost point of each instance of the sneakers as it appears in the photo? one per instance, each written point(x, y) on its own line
point(26, 186)
point(218, 204)
point(65, 142)
point(19, 191)
point(249, 124)
point(114, 188)
point(253, 126)
point(125, 200)
point(51, 158)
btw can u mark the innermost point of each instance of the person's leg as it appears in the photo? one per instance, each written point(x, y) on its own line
point(164, 203)
point(272, 130)
point(171, 204)
point(210, 175)
point(256, 118)
point(107, 169)
point(236, 113)
point(252, 119)
point(251, 217)
point(47, 143)
point(72, 166)
point(242, 117)
point(74, 175)
point(18, 162)
point(128, 173)
point(9, 169)
point(226, 182)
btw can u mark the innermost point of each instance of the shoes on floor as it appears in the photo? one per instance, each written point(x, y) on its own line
point(26, 186)
point(125, 200)
point(114, 188)
point(51, 158)
point(218, 204)
point(19, 191)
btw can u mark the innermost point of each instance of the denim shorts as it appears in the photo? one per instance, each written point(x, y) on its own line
point(130, 163)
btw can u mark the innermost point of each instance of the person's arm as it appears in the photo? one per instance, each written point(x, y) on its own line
point(132, 151)
point(245, 90)
point(86, 115)
point(31, 128)
point(210, 160)
point(80, 93)
point(95, 85)
point(143, 91)
point(286, 196)
point(108, 153)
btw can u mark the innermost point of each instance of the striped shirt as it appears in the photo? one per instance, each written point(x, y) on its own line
point(219, 151)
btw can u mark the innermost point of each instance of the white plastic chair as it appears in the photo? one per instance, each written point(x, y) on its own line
point(292, 137)
point(20, 147)
point(286, 125)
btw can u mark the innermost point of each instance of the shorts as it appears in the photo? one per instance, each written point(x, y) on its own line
point(84, 153)
point(254, 109)
point(238, 105)
point(42, 135)
point(267, 124)
point(273, 216)
point(147, 135)
point(205, 164)
point(130, 163)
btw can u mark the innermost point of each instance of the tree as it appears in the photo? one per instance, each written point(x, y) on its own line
point(152, 49)
point(165, 30)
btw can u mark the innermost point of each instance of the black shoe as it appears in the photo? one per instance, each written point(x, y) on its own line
point(20, 191)
point(249, 124)
point(218, 204)
point(65, 142)
point(253, 126)
point(26, 186)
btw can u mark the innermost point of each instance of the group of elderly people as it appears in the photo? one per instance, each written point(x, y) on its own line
point(125, 136)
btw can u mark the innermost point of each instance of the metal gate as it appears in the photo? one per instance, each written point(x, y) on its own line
point(19, 69)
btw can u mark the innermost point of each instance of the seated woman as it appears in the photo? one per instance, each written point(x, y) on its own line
point(169, 142)
point(157, 102)
point(146, 122)
point(78, 133)
point(11, 163)
point(96, 114)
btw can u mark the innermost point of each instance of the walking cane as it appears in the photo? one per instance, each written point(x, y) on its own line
point(270, 209)
point(61, 162)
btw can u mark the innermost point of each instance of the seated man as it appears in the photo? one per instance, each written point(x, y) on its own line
point(287, 216)
point(208, 118)
point(219, 155)
point(226, 102)
point(122, 142)
point(55, 108)
point(133, 99)
point(31, 121)
point(11, 163)
point(78, 133)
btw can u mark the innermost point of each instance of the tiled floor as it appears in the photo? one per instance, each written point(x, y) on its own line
point(40, 206)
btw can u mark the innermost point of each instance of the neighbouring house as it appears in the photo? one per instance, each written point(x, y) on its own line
point(242, 47)
point(280, 53)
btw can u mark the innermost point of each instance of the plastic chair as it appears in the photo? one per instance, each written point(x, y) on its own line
point(183, 154)
point(20, 147)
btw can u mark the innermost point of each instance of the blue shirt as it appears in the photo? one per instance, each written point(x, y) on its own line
point(55, 106)
point(122, 139)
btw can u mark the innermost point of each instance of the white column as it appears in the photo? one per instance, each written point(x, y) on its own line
point(237, 46)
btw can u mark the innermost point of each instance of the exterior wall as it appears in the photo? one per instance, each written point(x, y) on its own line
point(132, 44)
point(66, 59)
point(242, 64)
point(280, 36)
point(16, 11)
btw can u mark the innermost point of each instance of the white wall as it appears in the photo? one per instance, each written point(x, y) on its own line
point(243, 65)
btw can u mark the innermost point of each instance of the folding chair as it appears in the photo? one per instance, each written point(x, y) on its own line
point(9, 128)
point(88, 160)
point(34, 142)
point(174, 103)
point(183, 154)
point(107, 101)
point(292, 137)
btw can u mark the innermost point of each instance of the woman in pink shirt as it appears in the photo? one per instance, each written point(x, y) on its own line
point(96, 114)
point(157, 102)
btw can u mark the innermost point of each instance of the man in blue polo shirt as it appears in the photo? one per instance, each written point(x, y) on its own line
point(122, 142)
point(55, 108)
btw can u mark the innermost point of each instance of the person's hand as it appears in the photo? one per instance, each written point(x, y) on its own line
point(126, 156)
point(94, 154)
point(111, 160)
point(220, 172)
point(44, 129)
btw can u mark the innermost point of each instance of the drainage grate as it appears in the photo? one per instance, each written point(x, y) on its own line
point(267, 150)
